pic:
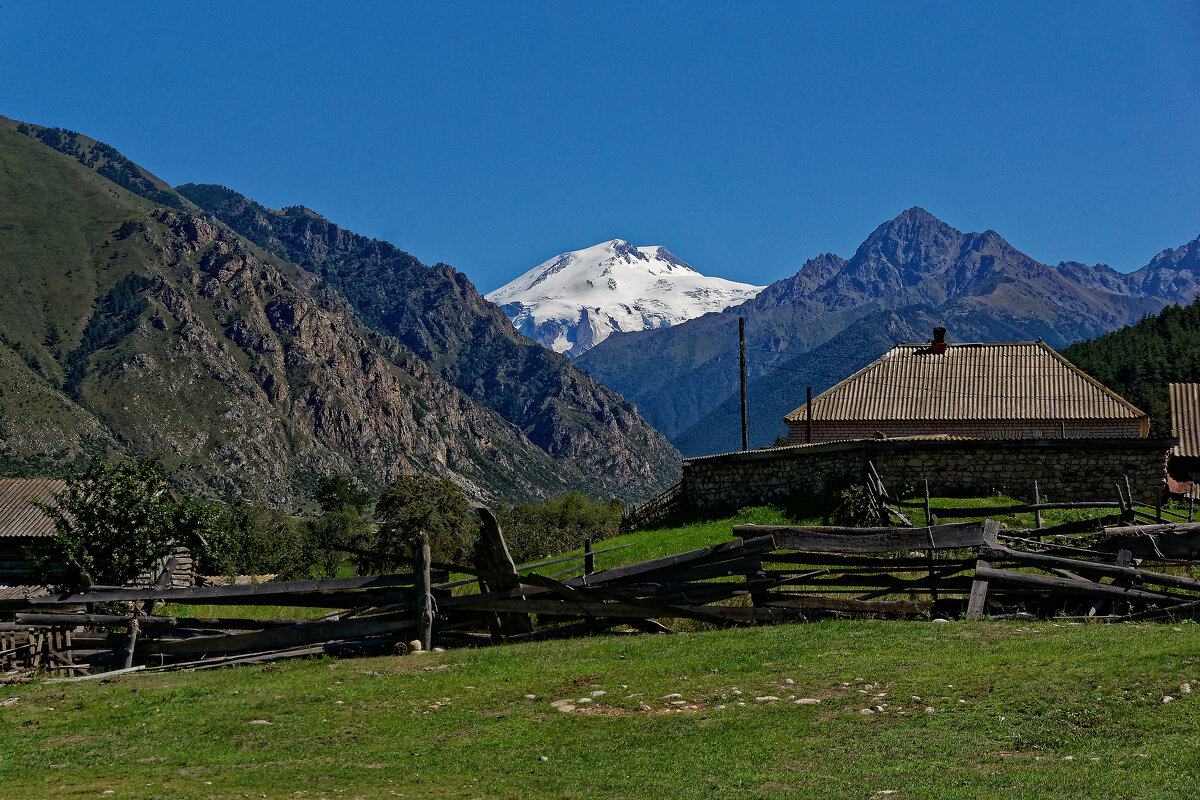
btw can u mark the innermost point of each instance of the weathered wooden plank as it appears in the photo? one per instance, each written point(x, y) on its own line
point(958, 512)
point(230, 594)
point(1043, 561)
point(870, 540)
point(278, 638)
point(977, 601)
point(1141, 530)
point(721, 552)
point(900, 608)
point(124, 656)
point(152, 622)
point(563, 607)
point(649, 607)
point(850, 562)
point(1075, 587)
point(1153, 542)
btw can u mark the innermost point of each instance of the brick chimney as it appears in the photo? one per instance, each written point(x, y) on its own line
point(939, 341)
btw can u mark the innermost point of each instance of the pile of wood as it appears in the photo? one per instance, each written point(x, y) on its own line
point(769, 574)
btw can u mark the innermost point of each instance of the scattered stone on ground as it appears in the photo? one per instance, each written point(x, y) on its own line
point(807, 701)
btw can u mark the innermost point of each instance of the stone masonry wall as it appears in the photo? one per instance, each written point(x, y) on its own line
point(837, 431)
point(1065, 469)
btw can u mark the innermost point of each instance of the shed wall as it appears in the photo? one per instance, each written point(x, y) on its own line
point(1065, 469)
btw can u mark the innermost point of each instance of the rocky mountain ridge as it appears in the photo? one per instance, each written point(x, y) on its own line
point(911, 273)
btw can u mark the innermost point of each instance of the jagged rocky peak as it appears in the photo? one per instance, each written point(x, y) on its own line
point(914, 237)
point(575, 300)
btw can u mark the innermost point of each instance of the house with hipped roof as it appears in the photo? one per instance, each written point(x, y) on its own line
point(986, 390)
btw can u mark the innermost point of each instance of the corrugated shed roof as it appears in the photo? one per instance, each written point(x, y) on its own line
point(19, 513)
point(22, 591)
point(925, 437)
point(1185, 418)
point(987, 381)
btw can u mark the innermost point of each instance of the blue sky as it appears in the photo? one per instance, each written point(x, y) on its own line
point(745, 137)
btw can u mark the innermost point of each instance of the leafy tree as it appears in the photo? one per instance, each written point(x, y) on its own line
point(245, 539)
point(113, 522)
point(535, 531)
point(328, 537)
point(335, 493)
point(414, 503)
point(342, 524)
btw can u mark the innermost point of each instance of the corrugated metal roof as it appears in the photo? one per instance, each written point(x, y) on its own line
point(987, 381)
point(1185, 418)
point(22, 591)
point(19, 513)
point(924, 437)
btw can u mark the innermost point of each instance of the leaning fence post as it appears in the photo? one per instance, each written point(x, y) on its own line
point(424, 590)
point(978, 599)
point(1037, 512)
point(589, 558)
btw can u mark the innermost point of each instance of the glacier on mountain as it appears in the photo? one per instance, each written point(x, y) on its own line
point(576, 300)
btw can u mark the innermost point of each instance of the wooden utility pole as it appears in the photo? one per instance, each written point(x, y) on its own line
point(742, 364)
point(808, 411)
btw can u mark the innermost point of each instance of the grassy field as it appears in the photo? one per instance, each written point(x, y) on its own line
point(958, 710)
point(906, 709)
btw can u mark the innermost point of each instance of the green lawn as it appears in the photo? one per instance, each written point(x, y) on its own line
point(968, 710)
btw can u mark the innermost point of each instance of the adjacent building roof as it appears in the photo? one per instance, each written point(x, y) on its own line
point(1185, 418)
point(987, 381)
point(19, 512)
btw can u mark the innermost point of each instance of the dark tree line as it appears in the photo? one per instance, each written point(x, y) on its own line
point(1140, 360)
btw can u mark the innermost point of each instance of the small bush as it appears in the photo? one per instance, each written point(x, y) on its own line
point(854, 508)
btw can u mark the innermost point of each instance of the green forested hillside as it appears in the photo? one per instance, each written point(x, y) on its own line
point(1138, 361)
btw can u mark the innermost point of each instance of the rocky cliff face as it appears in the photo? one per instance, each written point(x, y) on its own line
point(246, 380)
point(467, 341)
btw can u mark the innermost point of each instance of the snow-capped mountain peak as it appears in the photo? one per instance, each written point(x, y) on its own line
point(576, 300)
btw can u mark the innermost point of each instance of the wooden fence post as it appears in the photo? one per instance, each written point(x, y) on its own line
point(978, 600)
point(589, 559)
point(125, 654)
point(491, 554)
point(424, 590)
point(1037, 512)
